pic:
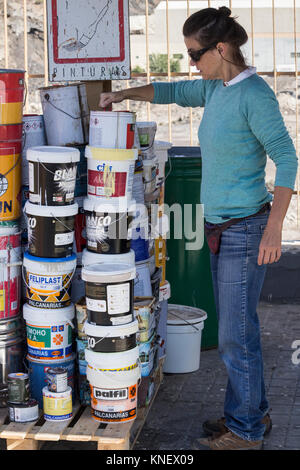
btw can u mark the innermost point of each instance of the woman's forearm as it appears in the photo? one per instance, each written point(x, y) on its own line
point(281, 201)
point(141, 93)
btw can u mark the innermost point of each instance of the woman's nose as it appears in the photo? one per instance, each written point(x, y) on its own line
point(192, 63)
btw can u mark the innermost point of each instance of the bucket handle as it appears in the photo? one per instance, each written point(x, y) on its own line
point(49, 171)
point(111, 374)
point(47, 98)
point(53, 292)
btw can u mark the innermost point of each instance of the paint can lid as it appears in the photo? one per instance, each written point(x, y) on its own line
point(92, 205)
point(66, 394)
point(17, 375)
point(112, 360)
point(43, 315)
point(51, 211)
point(111, 331)
point(49, 266)
point(185, 315)
point(53, 154)
point(106, 272)
point(105, 155)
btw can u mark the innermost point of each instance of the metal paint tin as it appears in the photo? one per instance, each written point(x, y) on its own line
point(18, 387)
point(23, 412)
point(57, 378)
point(57, 406)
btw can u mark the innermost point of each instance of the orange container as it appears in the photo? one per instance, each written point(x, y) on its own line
point(11, 96)
point(10, 180)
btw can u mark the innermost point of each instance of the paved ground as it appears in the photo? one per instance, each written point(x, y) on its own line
point(184, 401)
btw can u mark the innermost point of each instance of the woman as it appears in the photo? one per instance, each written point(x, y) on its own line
point(241, 124)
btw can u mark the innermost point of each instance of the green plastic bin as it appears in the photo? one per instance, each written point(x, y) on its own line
point(188, 271)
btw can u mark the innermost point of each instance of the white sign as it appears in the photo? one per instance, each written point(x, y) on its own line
point(88, 40)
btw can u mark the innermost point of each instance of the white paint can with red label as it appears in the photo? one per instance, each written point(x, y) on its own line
point(112, 129)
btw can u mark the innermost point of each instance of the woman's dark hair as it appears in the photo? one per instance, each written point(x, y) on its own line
point(210, 26)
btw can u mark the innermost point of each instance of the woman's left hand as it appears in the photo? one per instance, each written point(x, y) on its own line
point(270, 245)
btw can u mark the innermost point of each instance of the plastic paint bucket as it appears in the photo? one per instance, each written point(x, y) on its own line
point(112, 129)
point(142, 287)
point(10, 272)
point(57, 406)
point(48, 281)
point(106, 228)
point(110, 174)
point(184, 332)
point(109, 293)
point(146, 133)
point(62, 115)
point(33, 135)
point(11, 96)
point(113, 362)
point(89, 257)
point(49, 332)
point(111, 338)
point(52, 175)
point(50, 230)
point(113, 394)
point(37, 370)
point(10, 180)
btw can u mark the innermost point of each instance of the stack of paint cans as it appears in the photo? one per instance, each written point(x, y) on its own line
point(109, 272)
point(21, 407)
point(11, 111)
point(57, 395)
point(50, 263)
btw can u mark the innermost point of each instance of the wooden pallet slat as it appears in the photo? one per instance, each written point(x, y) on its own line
point(84, 429)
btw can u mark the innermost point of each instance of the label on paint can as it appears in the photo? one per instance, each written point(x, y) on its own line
point(114, 405)
point(96, 305)
point(40, 283)
point(57, 406)
point(61, 239)
point(23, 412)
point(49, 341)
point(118, 298)
point(18, 387)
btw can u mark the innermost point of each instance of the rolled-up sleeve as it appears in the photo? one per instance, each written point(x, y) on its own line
point(189, 93)
point(266, 122)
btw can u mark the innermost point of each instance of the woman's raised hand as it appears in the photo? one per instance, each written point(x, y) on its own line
point(110, 97)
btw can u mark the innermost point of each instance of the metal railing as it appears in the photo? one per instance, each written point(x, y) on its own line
point(148, 74)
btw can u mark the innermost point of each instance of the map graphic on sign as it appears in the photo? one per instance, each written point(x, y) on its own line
point(88, 40)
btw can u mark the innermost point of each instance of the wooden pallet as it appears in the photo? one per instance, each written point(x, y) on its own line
point(81, 427)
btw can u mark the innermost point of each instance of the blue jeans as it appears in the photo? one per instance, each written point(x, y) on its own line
point(237, 282)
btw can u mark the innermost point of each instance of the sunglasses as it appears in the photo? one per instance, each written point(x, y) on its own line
point(196, 55)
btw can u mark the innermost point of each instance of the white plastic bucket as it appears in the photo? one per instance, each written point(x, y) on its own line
point(109, 293)
point(50, 230)
point(62, 115)
point(184, 332)
point(114, 394)
point(10, 272)
point(111, 339)
point(146, 133)
point(142, 286)
point(112, 129)
point(33, 135)
point(110, 174)
point(49, 332)
point(48, 281)
point(89, 257)
point(113, 362)
point(107, 227)
point(52, 175)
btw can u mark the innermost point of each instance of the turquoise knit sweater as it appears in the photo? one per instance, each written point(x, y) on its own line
point(241, 124)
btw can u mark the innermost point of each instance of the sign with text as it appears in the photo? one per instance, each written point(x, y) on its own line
point(88, 40)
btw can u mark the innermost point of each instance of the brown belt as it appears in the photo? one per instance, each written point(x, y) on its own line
point(213, 232)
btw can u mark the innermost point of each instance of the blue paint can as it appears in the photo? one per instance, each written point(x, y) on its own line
point(37, 371)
